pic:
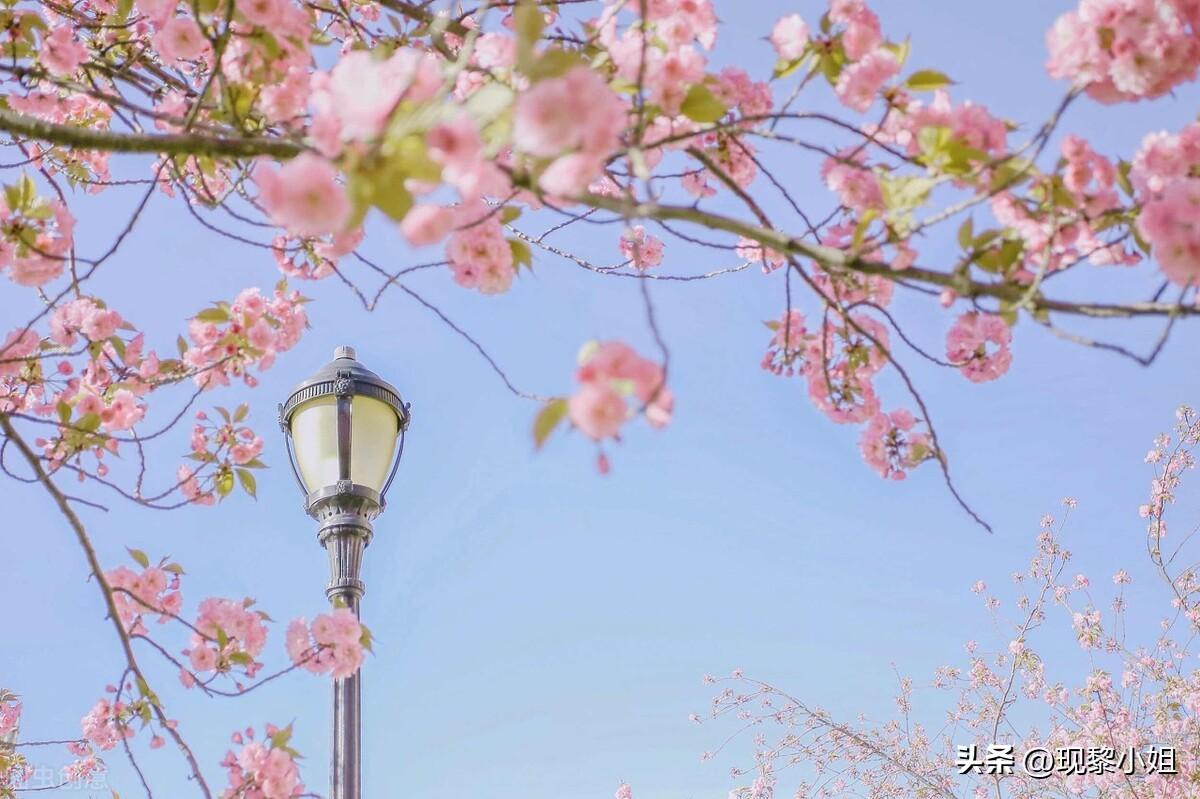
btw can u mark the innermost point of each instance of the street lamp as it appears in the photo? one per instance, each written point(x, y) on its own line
point(344, 427)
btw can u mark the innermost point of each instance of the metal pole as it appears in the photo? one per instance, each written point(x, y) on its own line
point(345, 536)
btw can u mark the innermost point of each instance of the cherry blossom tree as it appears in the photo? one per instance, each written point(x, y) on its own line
point(1136, 698)
point(483, 133)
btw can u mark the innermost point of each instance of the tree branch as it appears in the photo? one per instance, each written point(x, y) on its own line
point(169, 144)
point(835, 259)
point(97, 571)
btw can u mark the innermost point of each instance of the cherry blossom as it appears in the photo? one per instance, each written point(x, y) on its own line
point(264, 769)
point(1121, 50)
point(295, 129)
point(333, 644)
point(967, 346)
point(304, 196)
point(789, 37)
point(640, 248)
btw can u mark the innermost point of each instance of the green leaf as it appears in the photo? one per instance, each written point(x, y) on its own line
point(548, 418)
point(902, 194)
point(489, 102)
point(214, 315)
point(281, 737)
point(1123, 168)
point(701, 105)
point(831, 66)
point(966, 233)
point(785, 68)
point(240, 413)
point(927, 80)
point(528, 22)
point(586, 352)
point(552, 64)
point(246, 478)
point(139, 556)
point(509, 214)
point(900, 50)
point(521, 254)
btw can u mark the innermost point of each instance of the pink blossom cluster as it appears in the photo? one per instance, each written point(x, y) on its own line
point(227, 633)
point(82, 769)
point(890, 446)
point(672, 64)
point(304, 195)
point(243, 444)
point(788, 349)
point(970, 124)
point(61, 52)
point(84, 316)
point(842, 360)
point(153, 590)
point(74, 109)
point(10, 713)
point(739, 92)
point(754, 252)
point(855, 29)
point(231, 338)
point(576, 120)
point(856, 186)
point(457, 146)
point(1089, 177)
point(481, 258)
point(838, 361)
point(789, 37)
point(226, 446)
point(14, 769)
point(733, 154)
point(313, 259)
point(610, 374)
point(1057, 235)
point(105, 395)
point(262, 770)
point(35, 241)
point(680, 22)
point(356, 99)
point(640, 248)
point(190, 485)
point(1164, 177)
point(860, 82)
point(333, 644)
point(967, 346)
point(103, 726)
point(1122, 50)
point(181, 39)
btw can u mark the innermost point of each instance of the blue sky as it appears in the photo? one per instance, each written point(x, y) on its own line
point(542, 631)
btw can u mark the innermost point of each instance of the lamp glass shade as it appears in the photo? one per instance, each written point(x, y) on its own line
point(374, 428)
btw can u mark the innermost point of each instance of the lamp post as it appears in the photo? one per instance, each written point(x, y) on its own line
point(344, 427)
